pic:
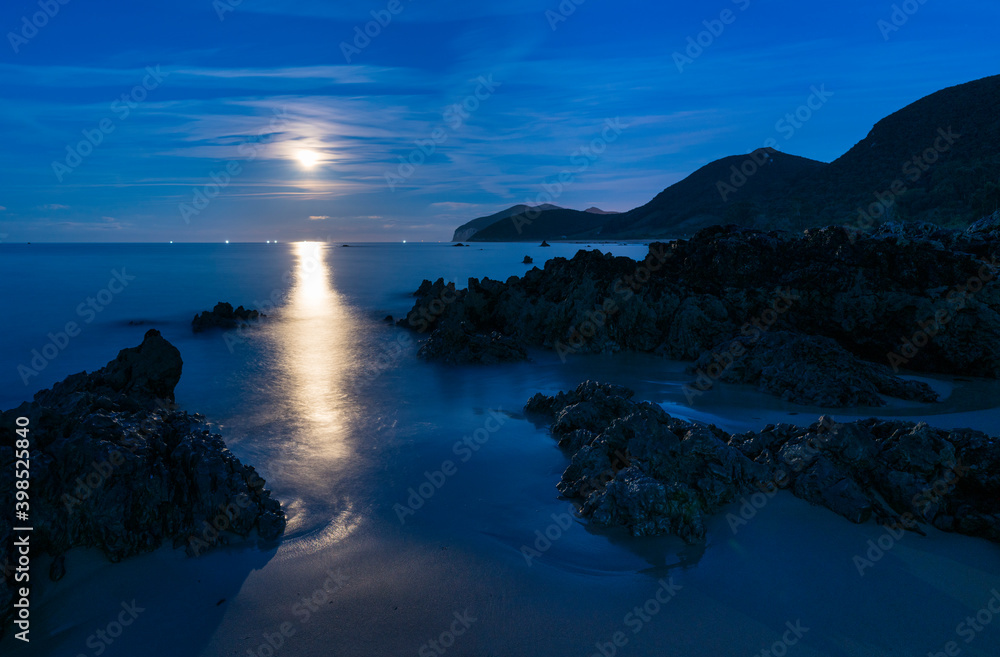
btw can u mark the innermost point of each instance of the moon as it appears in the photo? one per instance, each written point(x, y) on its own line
point(307, 158)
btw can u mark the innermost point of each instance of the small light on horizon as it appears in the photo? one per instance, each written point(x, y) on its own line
point(404, 241)
point(227, 241)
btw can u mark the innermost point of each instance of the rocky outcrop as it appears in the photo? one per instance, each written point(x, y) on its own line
point(457, 344)
point(633, 465)
point(225, 317)
point(904, 299)
point(806, 370)
point(116, 467)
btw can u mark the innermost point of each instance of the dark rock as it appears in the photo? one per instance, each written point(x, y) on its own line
point(150, 370)
point(116, 467)
point(544, 243)
point(871, 294)
point(805, 370)
point(225, 317)
point(460, 344)
point(388, 319)
point(58, 568)
point(527, 260)
point(460, 244)
point(635, 466)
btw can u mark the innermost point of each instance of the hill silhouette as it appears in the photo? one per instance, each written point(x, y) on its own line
point(935, 160)
point(465, 232)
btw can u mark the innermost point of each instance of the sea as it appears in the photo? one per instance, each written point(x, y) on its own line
point(423, 515)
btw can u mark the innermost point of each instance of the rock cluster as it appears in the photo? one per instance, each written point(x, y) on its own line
point(910, 297)
point(114, 466)
point(457, 344)
point(633, 465)
point(804, 369)
point(225, 317)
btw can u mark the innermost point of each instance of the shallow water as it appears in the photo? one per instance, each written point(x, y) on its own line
point(333, 407)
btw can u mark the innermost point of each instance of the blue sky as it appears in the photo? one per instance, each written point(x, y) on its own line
point(246, 121)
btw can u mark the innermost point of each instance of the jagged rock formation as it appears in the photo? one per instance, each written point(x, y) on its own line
point(116, 467)
point(804, 369)
point(223, 316)
point(633, 465)
point(908, 298)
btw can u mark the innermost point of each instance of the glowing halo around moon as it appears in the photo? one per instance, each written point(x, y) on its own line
point(307, 158)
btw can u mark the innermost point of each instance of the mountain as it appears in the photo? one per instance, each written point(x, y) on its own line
point(534, 226)
point(723, 192)
point(596, 210)
point(944, 149)
point(936, 160)
point(465, 232)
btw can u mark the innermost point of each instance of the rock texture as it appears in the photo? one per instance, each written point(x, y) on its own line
point(456, 344)
point(910, 298)
point(633, 465)
point(114, 466)
point(806, 370)
point(223, 316)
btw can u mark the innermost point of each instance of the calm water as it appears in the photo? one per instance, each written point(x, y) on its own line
point(332, 406)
